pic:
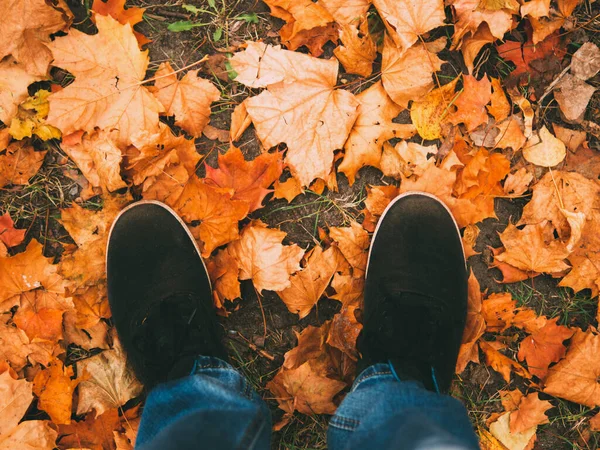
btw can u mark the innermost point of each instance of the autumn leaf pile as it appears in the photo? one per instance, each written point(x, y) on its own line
point(468, 139)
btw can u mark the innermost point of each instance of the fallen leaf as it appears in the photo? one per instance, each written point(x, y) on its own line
point(346, 11)
point(471, 14)
point(510, 399)
point(24, 35)
point(14, 80)
point(223, 270)
point(305, 111)
point(27, 271)
point(500, 107)
point(498, 312)
point(263, 259)
point(40, 314)
point(474, 327)
point(10, 235)
point(88, 339)
point(573, 96)
point(512, 441)
point(15, 398)
point(188, 99)
point(94, 433)
point(240, 121)
point(107, 92)
point(358, 51)
point(372, 128)
point(309, 284)
point(544, 347)
point(91, 306)
point(378, 197)
point(406, 20)
point(31, 119)
point(307, 23)
point(19, 163)
point(585, 62)
point(218, 214)
point(573, 139)
point(430, 114)
point(98, 157)
point(595, 422)
point(288, 189)
point(575, 378)
point(248, 179)
point(216, 134)
point(471, 103)
point(111, 382)
point(528, 250)
point(407, 74)
point(54, 388)
point(530, 413)
point(517, 183)
point(344, 331)
point(116, 9)
point(472, 43)
point(481, 175)
point(501, 363)
point(353, 242)
point(31, 434)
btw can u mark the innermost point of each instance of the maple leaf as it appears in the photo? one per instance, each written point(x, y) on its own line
point(470, 14)
point(344, 331)
point(481, 175)
point(378, 197)
point(8, 233)
point(248, 179)
point(27, 271)
point(31, 119)
point(97, 156)
point(406, 159)
point(406, 20)
point(500, 107)
point(500, 429)
point(223, 270)
point(31, 434)
point(54, 388)
point(574, 378)
point(217, 213)
point(510, 399)
point(95, 432)
point(346, 11)
point(91, 306)
point(15, 398)
point(307, 23)
point(40, 314)
point(407, 74)
point(500, 363)
point(472, 43)
point(288, 189)
point(560, 190)
point(471, 103)
point(111, 383)
point(429, 114)
point(14, 80)
point(116, 9)
point(372, 128)
point(107, 92)
point(263, 259)
point(307, 286)
point(27, 28)
point(358, 51)
point(474, 327)
point(187, 99)
point(524, 54)
point(305, 111)
point(348, 290)
point(530, 413)
point(353, 242)
point(88, 339)
point(544, 347)
point(529, 250)
point(19, 163)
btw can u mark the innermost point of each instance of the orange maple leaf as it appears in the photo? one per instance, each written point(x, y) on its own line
point(116, 9)
point(353, 242)
point(8, 233)
point(19, 163)
point(54, 387)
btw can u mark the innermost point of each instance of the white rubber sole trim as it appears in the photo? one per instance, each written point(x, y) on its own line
point(401, 196)
point(173, 213)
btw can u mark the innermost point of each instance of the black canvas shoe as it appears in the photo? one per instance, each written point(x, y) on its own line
point(415, 292)
point(159, 293)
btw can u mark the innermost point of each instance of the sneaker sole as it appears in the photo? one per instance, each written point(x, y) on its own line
point(393, 202)
point(174, 214)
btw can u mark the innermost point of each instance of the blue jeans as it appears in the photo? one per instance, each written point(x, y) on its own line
point(215, 408)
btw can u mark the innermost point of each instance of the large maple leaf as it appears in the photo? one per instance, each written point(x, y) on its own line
point(248, 179)
point(470, 15)
point(301, 106)
point(40, 314)
point(26, 29)
point(107, 92)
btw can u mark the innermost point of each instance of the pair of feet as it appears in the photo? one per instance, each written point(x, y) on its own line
point(414, 304)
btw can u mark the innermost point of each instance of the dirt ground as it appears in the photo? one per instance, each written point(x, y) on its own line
point(266, 322)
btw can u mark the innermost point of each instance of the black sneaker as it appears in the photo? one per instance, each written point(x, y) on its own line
point(159, 293)
point(415, 292)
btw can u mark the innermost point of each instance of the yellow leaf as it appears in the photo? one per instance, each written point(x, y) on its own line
point(430, 114)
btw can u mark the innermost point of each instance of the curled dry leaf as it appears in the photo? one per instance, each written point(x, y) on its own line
point(109, 382)
point(471, 103)
point(406, 20)
point(248, 179)
point(500, 107)
point(54, 387)
point(305, 111)
point(474, 327)
point(223, 270)
point(575, 378)
point(372, 128)
point(31, 119)
point(19, 163)
point(240, 120)
point(358, 50)
point(188, 99)
point(107, 92)
point(501, 363)
point(430, 114)
point(544, 347)
point(406, 74)
point(353, 242)
point(263, 259)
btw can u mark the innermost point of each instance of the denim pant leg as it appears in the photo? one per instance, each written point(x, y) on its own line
point(213, 408)
point(385, 413)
